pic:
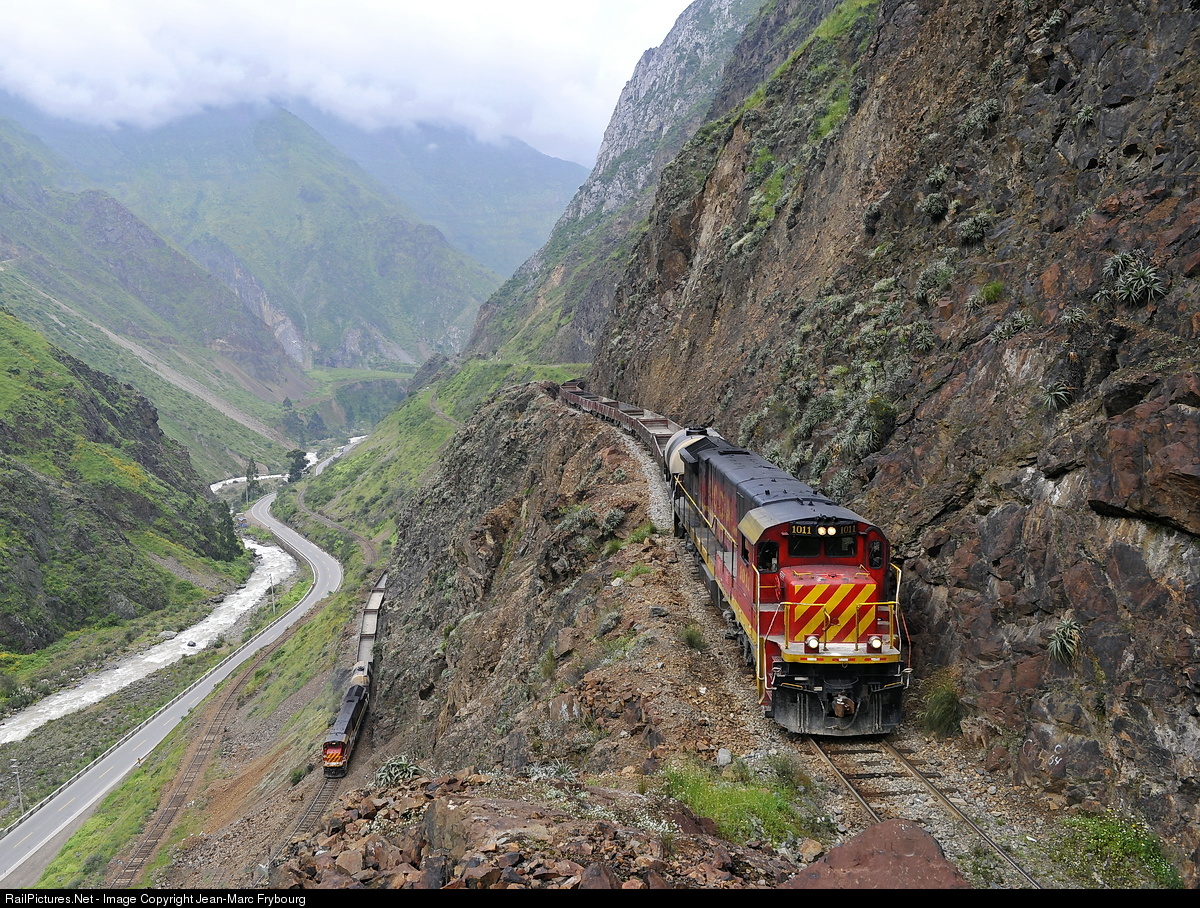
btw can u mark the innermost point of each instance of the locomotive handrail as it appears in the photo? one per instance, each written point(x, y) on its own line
point(894, 607)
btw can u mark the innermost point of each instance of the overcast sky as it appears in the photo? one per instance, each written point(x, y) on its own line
point(546, 71)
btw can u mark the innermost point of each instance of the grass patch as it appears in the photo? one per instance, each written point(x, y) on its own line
point(692, 637)
point(743, 811)
point(1112, 852)
point(636, 571)
point(942, 709)
point(313, 648)
point(642, 533)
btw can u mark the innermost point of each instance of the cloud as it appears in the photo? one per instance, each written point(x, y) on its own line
point(546, 72)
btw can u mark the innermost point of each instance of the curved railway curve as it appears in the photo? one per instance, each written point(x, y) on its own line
point(884, 782)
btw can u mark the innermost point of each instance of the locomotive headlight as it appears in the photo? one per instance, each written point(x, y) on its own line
point(875, 643)
point(820, 531)
point(812, 643)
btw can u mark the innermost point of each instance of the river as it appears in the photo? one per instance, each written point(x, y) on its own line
point(273, 565)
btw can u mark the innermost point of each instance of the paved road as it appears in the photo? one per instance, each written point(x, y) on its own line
point(72, 804)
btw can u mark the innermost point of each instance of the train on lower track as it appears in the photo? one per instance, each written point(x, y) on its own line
point(810, 583)
point(343, 733)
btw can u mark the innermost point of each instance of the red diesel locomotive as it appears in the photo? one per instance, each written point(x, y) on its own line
point(809, 582)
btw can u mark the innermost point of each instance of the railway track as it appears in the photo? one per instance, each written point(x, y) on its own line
point(316, 807)
point(164, 817)
point(886, 784)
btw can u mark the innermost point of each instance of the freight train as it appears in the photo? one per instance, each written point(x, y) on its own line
point(343, 734)
point(809, 583)
point(339, 742)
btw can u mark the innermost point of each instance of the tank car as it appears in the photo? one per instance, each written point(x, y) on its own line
point(809, 582)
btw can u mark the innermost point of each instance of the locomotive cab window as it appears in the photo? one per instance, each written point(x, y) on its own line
point(804, 546)
point(829, 546)
point(841, 547)
point(875, 553)
point(768, 557)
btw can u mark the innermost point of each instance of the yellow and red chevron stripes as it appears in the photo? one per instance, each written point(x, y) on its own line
point(835, 612)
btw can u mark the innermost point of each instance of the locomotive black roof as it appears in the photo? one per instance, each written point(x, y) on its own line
point(760, 483)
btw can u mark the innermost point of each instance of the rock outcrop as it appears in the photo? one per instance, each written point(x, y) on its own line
point(555, 306)
point(473, 831)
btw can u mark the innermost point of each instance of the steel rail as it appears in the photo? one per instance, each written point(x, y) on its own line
point(321, 800)
point(954, 809)
point(844, 779)
point(213, 733)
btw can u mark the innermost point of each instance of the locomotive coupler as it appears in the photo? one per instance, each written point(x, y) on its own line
point(843, 706)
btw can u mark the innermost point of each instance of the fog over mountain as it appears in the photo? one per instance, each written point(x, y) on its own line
point(545, 73)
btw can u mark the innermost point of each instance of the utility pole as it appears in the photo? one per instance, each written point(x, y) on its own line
point(20, 795)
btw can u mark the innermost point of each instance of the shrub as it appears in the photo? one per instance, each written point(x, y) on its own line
point(921, 338)
point(936, 276)
point(991, 292)
point(934, 206)
point(1054, 396)
point(1013, 325)
point(942, 711)
point(1085, 116)
point(937, 177)
point(693, 638)
point(1140, 283)
point(1064, 641)
point(612, 519)
point(789, 772)
point(1073, 316)
point(1130, 279)
point(973, 230)
point(396, 769)
point(1118, 264)
point(547, 664)
point(979, 117)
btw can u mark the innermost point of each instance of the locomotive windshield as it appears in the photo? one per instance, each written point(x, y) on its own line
point(830, 546)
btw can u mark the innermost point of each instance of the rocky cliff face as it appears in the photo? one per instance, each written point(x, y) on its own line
point(553, 308)
point(943, 264)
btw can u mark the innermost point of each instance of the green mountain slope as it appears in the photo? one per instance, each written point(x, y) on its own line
point(554, 308)
point(91, 494)
point(342, 272)
point(496, 201)
point(90, 275)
